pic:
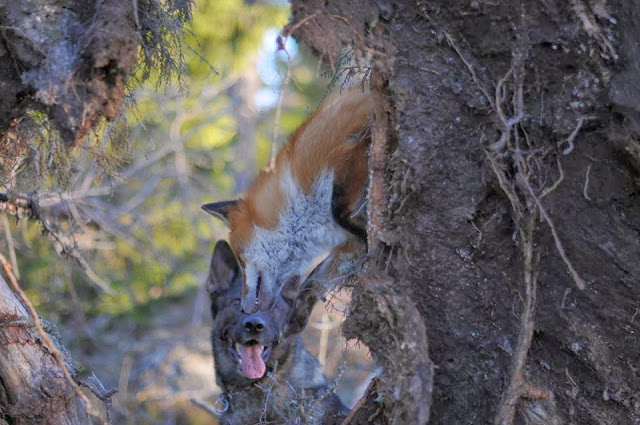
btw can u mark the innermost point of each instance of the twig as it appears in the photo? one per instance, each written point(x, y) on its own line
point(72, 252)
point(204, 406)
point(27, 206)
point(10, 245)
point(46, 340)
point(276, 121)
point(289, 30)
point(586, 184)
point(97, 388)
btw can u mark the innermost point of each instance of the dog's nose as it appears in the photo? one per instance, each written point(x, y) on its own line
point(253, 325)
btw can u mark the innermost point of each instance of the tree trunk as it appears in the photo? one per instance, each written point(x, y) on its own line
point(33, 388)
point(246, 115)
point(509, 212)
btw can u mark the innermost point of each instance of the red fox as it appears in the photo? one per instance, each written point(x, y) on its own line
point(309, 204)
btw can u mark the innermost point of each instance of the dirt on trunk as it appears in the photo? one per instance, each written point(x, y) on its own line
point(510, 215)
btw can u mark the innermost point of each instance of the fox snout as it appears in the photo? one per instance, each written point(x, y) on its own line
point(260, 299)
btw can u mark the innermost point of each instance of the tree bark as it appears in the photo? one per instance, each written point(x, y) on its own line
point(33, 388)
point(511, 183)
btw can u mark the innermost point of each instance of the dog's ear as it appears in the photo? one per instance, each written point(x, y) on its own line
point(306, 298)
point(220, 209)
point(223, 268)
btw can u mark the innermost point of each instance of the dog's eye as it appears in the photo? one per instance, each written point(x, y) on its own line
point(236, 301)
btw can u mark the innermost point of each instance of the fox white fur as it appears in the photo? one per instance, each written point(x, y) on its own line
point(302, 209)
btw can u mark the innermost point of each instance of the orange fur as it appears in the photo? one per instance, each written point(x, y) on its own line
point(323, 142)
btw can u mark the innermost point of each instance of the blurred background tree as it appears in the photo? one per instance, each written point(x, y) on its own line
point(198, 139)
point(130, 205)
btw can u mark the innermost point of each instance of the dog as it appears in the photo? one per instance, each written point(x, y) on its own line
point(260, 363)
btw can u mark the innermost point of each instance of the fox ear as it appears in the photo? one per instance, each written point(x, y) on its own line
point(220, 209)
point(223, 268)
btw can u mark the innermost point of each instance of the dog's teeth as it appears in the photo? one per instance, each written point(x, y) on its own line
point(238, 357)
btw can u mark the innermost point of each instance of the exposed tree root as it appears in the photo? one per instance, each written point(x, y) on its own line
point(517, 384)
point(526, 205)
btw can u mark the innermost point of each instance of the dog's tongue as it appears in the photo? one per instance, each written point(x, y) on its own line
point(253, 366)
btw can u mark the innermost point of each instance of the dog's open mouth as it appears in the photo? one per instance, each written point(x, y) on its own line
point(252, 358)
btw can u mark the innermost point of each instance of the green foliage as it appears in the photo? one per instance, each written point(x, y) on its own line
point(228, 32)
point(157, 240)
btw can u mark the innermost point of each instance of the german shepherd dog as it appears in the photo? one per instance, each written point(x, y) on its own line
point(260, 363)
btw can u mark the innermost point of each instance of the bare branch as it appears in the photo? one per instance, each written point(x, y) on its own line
point(27, 206)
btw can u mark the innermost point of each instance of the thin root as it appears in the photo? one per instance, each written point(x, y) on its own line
point(572, 137)
point(576, 277)
point(586, 184)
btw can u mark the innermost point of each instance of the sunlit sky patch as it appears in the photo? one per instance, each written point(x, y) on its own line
point(267, 67)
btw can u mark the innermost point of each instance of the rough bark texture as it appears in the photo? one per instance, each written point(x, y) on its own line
point(68, 59)
point(33, 388)
point(480, 90)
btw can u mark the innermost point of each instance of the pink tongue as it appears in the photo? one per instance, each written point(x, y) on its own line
point(253, 366)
